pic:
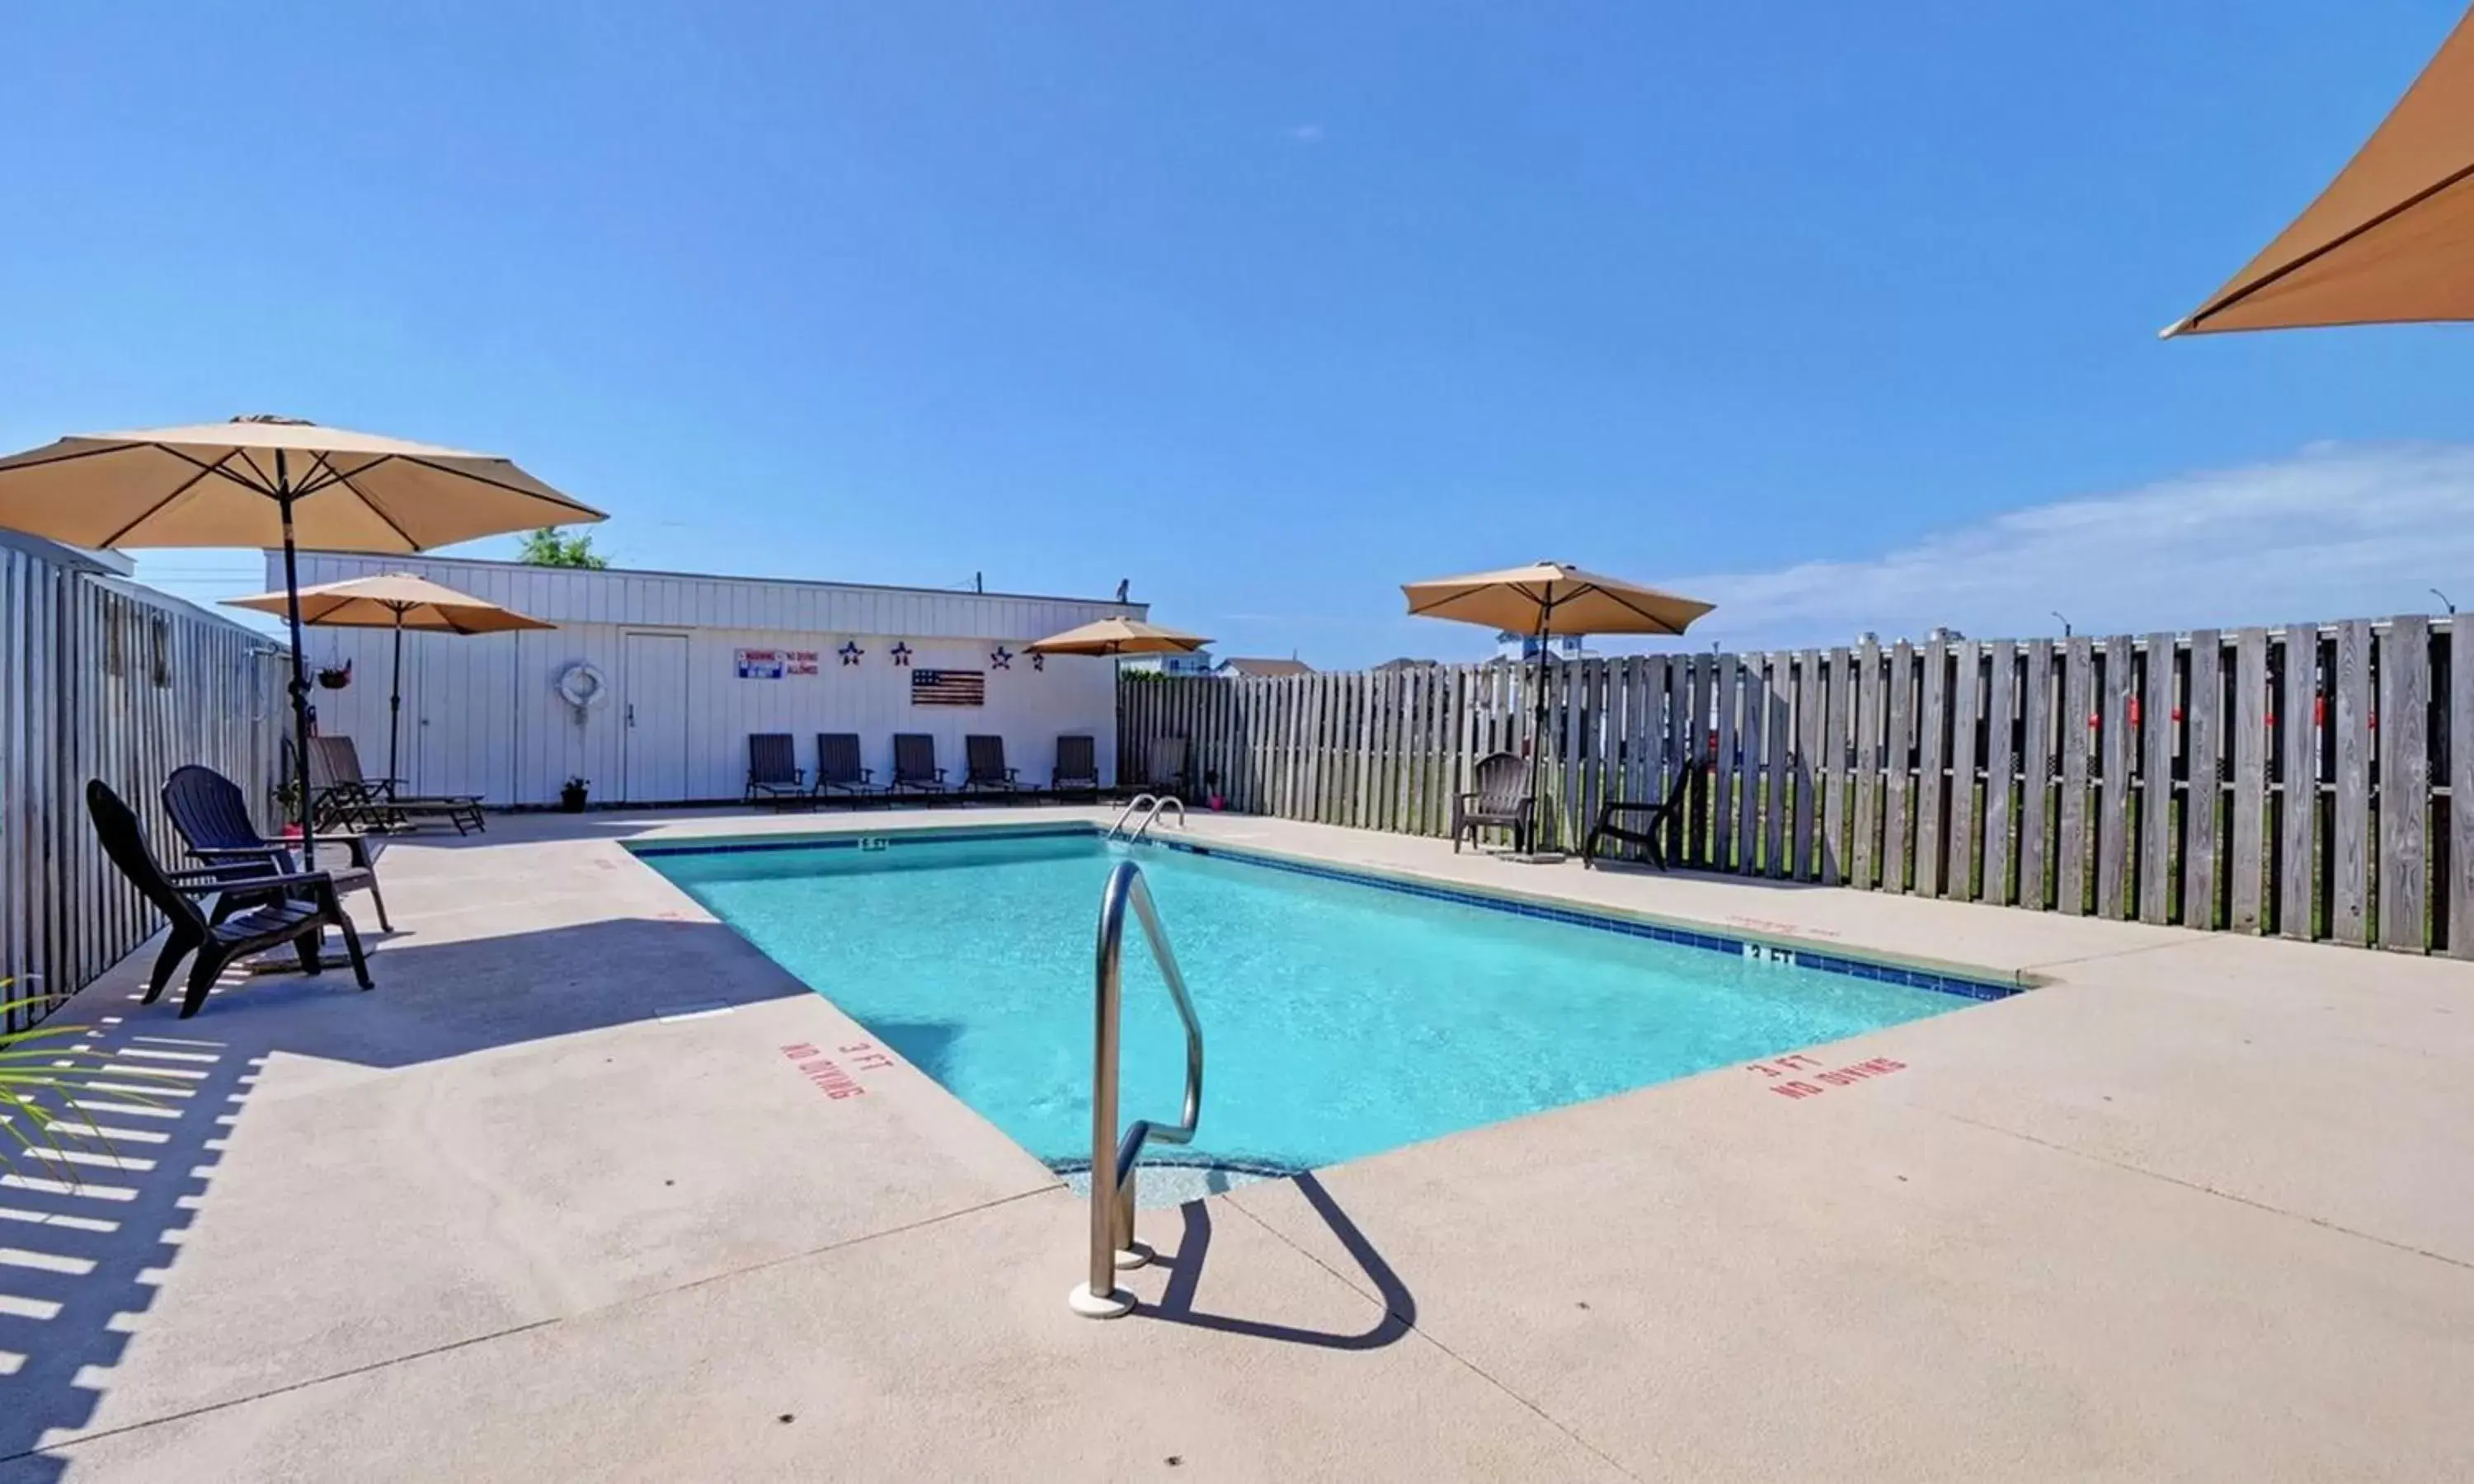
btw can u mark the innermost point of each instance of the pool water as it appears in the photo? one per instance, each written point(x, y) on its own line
point(1339, 1017)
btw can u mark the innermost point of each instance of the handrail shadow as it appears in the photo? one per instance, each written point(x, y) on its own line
point(1176, 1303)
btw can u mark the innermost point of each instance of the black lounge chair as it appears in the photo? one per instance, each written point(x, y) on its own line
point(295, 907)
point(1662, 817)
point(1500, 800)
point(212, 816)
point(838, 766)
point(344, 796)
point(915, 764)
point(983, 767)
point(1078, 766)
point(774, 771)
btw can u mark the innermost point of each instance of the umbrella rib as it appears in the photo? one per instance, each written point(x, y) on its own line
point(374, 508)
point(73, 454)
point(551, 496)
point(2332, 244)
point(173, 498)
point(1664, 626)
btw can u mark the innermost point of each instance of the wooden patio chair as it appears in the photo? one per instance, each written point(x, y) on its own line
point(294, 907)
point(1500, 799)
point(211, 814)
point(983, 767)
point(1662, 817)
point(774, 771)
point(839, 770)
point(915, 764)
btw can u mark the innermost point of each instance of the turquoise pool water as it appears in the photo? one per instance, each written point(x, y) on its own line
point(1340, 1019)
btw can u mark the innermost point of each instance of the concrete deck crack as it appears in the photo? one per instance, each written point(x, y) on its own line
point(1427, 1335)
point(2113, 953)
point(2204, 1189)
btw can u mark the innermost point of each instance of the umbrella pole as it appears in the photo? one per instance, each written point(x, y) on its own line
point(300, 678)
point(1538, 742)
point(395, 701)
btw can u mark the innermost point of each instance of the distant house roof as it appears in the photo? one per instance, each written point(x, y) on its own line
point(1266, 668)
point(1404, 663)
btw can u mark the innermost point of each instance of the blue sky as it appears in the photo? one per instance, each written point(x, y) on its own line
point(1842, 315)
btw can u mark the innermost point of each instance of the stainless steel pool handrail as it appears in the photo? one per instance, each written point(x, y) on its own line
point(1112, 1159)
point(1159, 808)
point(1131, 804)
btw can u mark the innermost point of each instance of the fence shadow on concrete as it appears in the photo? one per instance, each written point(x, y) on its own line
point(88, 1237)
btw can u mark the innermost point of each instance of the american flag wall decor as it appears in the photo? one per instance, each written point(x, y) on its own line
point(949, 687)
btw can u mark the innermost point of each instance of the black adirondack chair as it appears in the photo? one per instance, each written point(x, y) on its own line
point(212, 816)
point(773, 770)
point(1078, 766)
point(1500, 800)
point(295, 907)
point(1651, 832)
point(838, 766)
point(983, 766)
point(915, 764)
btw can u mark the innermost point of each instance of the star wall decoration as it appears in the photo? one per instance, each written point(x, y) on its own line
point(1001, 659)
point(1039, 661)
point(850, 652)
point(901, 653)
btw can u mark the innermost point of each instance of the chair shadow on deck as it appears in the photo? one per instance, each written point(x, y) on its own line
point(1185, 1268)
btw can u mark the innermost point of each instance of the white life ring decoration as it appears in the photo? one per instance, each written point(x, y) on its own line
point(582, 686)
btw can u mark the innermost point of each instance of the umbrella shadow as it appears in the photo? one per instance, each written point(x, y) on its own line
point(1176, 1303)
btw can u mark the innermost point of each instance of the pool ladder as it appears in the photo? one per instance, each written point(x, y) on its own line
point(1152, 807)
point(1112, 1159)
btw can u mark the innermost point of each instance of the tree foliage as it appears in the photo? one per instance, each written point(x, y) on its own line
point(546, 547)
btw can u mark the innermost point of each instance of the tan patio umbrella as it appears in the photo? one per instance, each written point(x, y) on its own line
point(2391, 239)
point(1118, 636)
point(271, 482)
point(1547, 599)
point(398, 601)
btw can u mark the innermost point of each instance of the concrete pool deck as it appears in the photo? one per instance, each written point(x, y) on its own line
point(555, 1202)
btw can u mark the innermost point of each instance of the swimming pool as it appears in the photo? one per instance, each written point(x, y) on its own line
point(1343, 1016)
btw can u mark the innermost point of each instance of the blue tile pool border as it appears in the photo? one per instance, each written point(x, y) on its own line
point(1798, 955)
point(936, 835)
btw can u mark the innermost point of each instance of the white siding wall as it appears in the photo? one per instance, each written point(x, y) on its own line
point(481, 714)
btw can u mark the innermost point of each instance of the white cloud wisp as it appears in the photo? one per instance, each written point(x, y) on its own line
point(2333, 532)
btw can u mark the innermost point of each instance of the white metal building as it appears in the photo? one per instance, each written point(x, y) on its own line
point(689, 665)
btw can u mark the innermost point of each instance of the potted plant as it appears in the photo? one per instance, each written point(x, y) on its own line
point(1211, 791)
point(570, 795)
point(336, 676)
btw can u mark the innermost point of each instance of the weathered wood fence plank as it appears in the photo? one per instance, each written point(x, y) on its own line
point(2247, 865)
point(2349, 858)
point(2204, 793)
point(2000, 771)
point(2308, 781)
point(2403, 740)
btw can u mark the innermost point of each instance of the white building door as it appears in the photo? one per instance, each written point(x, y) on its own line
point(459, 699)
point(653, 708)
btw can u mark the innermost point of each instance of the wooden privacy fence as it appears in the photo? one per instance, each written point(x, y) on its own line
point(100, 678)
point(2297, 781)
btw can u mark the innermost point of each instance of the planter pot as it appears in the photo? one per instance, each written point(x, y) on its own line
point(571, 800)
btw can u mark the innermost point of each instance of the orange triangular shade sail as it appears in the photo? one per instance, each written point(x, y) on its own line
point(2391, 239)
